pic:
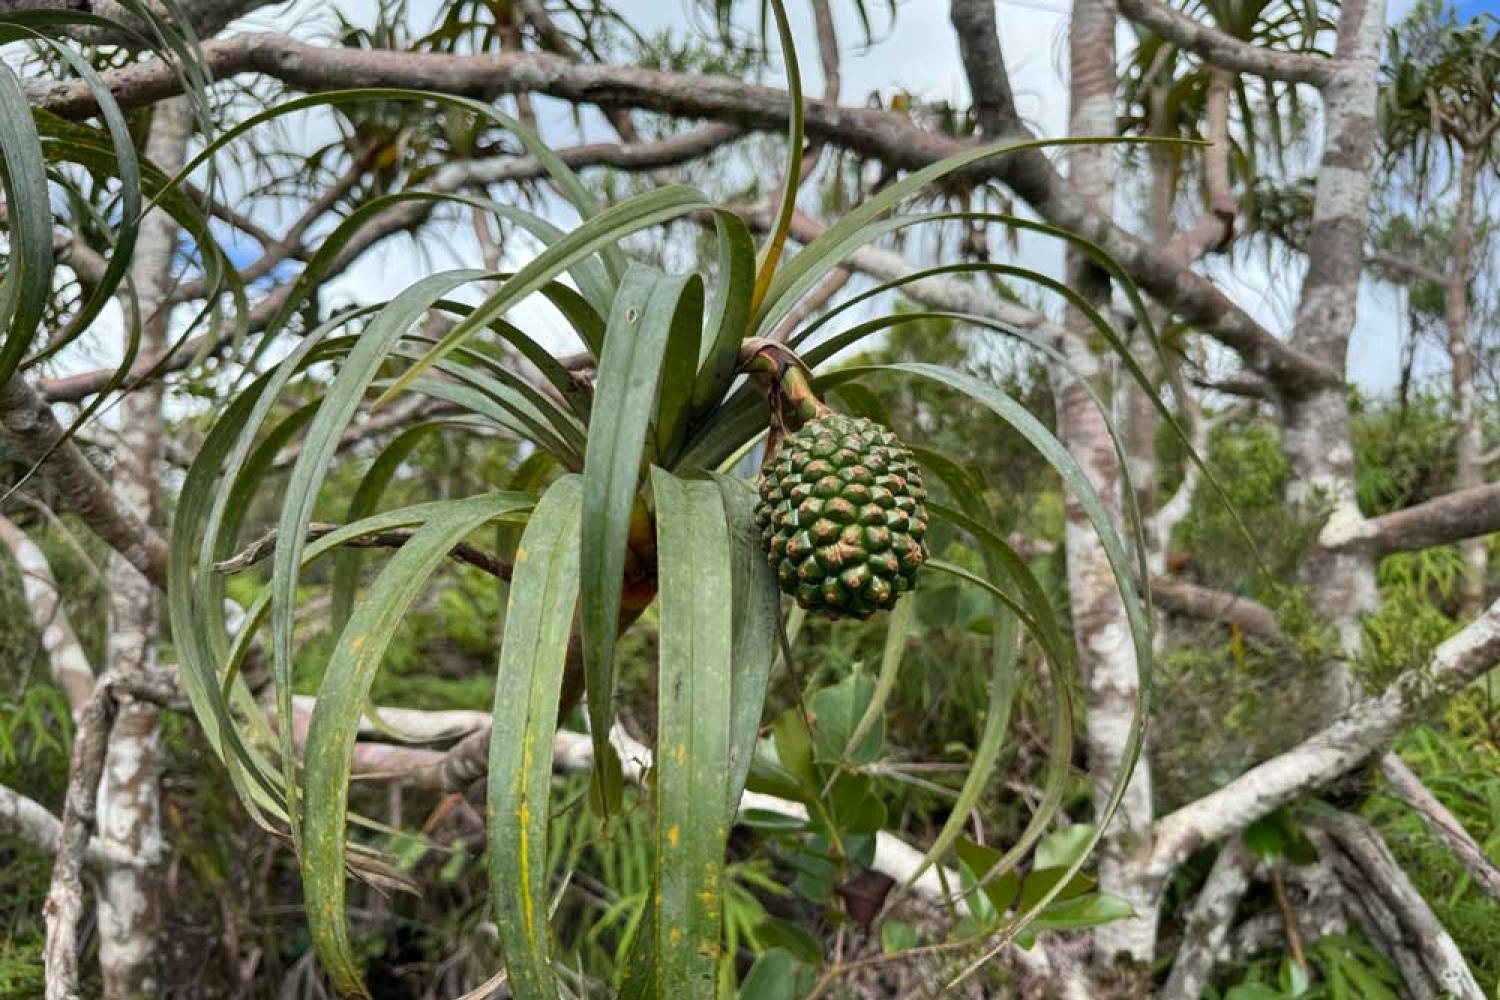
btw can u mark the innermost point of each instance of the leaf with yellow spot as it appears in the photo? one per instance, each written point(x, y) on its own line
point(695, 572)
point(342, 695)
point(544, 593)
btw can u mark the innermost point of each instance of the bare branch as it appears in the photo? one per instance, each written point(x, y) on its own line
point(1366, 906)
point(1194, 601)
point(1246, 384)
point(828, 49)
point(1452, 517)
point(575, 752)
point(891, 137)
point(555, 40)
point(828, 58)
point(65, 656)
point(1224, 50)
point(1385, 260)
point(1367, 726)
point(1288, 916)
point(1410, 789)
point(1214, 229)
point(669, 152)
point(291, 244)
point(1208, 923)
point(984, 66)
point(65, 898)
point(34, 823)
point(1419, 927)
point(226, 213)
point(35, 431)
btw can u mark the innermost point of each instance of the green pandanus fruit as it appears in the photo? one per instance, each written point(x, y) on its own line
point(841, 501)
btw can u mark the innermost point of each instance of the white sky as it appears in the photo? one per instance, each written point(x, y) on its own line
point(921, 56)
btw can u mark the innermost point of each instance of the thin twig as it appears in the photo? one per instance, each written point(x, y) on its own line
point(263, 546)
point(1288, 916)
point(1410, 789)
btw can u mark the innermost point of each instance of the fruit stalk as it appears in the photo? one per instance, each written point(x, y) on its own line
point(787, 384)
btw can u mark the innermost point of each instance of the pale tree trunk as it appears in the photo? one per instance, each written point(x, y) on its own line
point(1315, 418)
point(129, 809)
point(1468, 444)
point(1140, 418)
point(1101, 631)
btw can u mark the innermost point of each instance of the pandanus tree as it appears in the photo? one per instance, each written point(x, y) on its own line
point(1242, 120)
point(1440, 112)
point(630, 502)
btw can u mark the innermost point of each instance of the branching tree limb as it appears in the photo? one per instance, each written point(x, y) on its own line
point(1225, 51)
point(263, 546)
point(1452, 517)
point(35, 432)
point(574, 752)
point(1385, 260)
point(1419, 928)
point(1367, 727)
point(34, 823)
point(90, 742)
point(885, 135)
point(1214, 228)
point(1194, 601)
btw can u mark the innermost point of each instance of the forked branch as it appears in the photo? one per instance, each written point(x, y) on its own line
point(891, 137)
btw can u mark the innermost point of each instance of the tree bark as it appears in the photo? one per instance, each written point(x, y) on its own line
point(1468, 445)
point(1101, 629)
point(1417, 927)
point(1208, 923)
point(129, 807)
point(1315, 422)
point(1368, 726)
point(70, 666)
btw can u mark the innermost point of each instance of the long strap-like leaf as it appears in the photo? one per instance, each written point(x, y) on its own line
point(544, 593)
point(28, 274)
point(635, 352)
point(604, 230)
point(341, 702)
point(756, 600)
point(338, 408)
point(693, 726)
